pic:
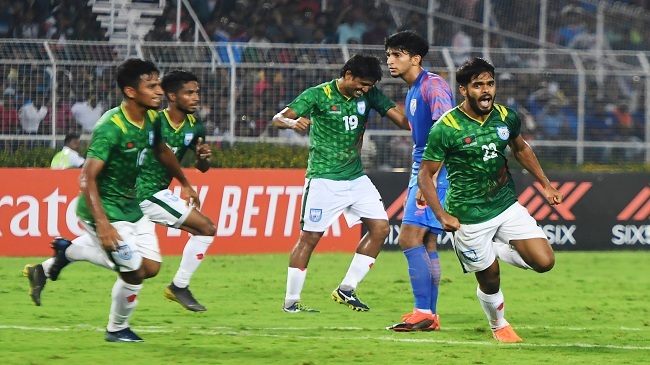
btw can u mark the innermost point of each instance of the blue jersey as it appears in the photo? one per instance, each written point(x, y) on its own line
point(428, 98)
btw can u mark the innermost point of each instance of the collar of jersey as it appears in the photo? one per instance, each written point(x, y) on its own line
point(474, 119)
point(126, 116)
point(336, 81)
point(169, 121)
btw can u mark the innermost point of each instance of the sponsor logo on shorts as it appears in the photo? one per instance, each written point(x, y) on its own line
point(315, 215)
point(470, 255)
point(124, 252)
point(534, 199)
point(170, 196)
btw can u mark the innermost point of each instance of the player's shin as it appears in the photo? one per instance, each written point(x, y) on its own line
point(193, 255)
point(123, 303)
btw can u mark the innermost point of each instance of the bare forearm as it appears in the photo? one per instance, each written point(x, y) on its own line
point(91, 194)
point(526, 157)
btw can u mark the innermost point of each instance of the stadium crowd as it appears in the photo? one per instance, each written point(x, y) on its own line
point(548, 105)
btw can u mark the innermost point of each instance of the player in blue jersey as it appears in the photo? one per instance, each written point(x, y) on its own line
point(428, 97)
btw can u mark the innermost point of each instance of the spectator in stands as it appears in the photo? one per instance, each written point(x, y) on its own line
point(31, 114)
point(626, 129)
point(159, 33)
point(6, 18)
point(461, 45)
point(379, 31)
point(509, 87)
point(415, 22)
point(554, 122)
point(69, 156)
point(25, 26)
point(87, 112)
point(350, 27)
point(8, 115)
point(572, 18)
point(549, 93)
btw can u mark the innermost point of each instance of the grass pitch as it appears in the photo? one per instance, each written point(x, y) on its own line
point(592, 308)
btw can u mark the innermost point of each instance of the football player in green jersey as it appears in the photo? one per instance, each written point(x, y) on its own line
point(108, 206)
point(481, 206)
point(335, 182)
point(182, 133)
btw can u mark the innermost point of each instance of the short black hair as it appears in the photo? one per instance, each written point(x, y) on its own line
point(70, 137)
point(173, 81)
point(364, 67)
point(472, 68)
point(409, 42)
point(129, 72)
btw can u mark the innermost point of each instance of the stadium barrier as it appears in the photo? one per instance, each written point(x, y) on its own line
point(601, 211)
point(257, 211)
point(254, 210)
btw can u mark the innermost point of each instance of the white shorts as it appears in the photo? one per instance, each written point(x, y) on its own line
point(166, 209)
point(473, 242)
point(138, 241)
point(324, 200)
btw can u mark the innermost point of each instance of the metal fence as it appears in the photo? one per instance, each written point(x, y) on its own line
point(579, 108)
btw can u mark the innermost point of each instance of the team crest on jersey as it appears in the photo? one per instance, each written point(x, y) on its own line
point(412, 106)
point(150, 138)
point(315, 215)
point(188, 138)
point(124, 252)
point(503, 133)
point(361, 107)
point(470, 255)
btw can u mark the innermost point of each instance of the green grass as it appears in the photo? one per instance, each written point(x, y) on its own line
point(592, 308)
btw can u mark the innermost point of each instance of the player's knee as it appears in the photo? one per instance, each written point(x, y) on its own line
point(133, 277)
point(381, 230)
point(208, 229)
point(544, 264)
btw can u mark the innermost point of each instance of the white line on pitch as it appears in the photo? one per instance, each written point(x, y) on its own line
point(230, 331)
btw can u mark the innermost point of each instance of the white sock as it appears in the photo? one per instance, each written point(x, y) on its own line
point(295, 281)
point(193, 255)
point(83, 249)
point(494, 308)
point(358, 270)
point(124, 301)
point(47, 264)
point(508, 254)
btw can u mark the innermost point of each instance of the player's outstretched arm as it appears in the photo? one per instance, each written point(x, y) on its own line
point(203, 154)
point(428, 189)
point(397, 116)
point(526, 157)
point(106, 233)
point(166, 157)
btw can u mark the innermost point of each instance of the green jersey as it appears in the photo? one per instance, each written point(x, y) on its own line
point(480, 185)
point(336, 134)
point(154, 177)
point(121, 145)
